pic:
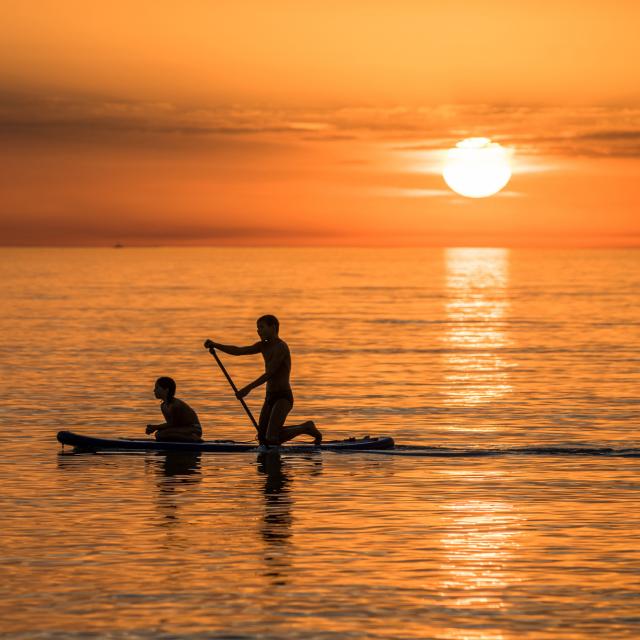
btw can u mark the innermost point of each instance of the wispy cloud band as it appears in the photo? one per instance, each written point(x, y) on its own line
point(601, 131)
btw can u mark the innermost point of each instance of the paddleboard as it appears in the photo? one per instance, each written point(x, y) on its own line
point(89, 443)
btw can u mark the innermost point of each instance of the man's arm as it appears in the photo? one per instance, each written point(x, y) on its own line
point(234, 351)
point(252, 385)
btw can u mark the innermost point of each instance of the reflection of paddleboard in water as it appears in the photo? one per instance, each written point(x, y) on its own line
point(87, 443)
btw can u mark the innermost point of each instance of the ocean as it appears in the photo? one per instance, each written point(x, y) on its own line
point(508, 378)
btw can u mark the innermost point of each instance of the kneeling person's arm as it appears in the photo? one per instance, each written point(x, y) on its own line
point(155, 427)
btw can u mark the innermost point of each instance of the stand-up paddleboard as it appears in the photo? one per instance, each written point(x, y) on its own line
point(90, 444)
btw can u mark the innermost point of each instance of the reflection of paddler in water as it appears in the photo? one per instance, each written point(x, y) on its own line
point(276, 526)
point(176, 471)
point(278, 400)
point(278, 517)
point(182, 463)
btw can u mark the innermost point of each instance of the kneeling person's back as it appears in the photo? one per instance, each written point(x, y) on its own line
point(182, 423)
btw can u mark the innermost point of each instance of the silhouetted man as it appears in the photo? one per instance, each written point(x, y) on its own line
point(278, 400)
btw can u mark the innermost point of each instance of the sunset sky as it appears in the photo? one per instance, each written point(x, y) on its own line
point(316, 123)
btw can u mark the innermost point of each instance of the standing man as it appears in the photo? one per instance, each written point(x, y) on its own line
point(278, 400)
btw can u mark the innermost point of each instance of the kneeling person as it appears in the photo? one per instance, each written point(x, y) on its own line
point(182, 423)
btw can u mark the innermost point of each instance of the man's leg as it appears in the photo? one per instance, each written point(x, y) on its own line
point(263, 422)
point(277, 433)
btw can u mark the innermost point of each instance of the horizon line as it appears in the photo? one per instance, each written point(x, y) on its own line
point(320, 246)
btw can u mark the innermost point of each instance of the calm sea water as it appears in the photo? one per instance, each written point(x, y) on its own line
point(534, 353)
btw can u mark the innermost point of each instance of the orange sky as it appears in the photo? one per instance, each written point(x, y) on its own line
point(316, 122)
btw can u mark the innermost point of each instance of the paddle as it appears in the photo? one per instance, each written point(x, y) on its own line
point(235, 389)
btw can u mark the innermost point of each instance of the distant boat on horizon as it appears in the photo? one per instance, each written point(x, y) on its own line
point(118, 245)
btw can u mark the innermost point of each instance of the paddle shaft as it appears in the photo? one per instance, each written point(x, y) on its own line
point(233, 386)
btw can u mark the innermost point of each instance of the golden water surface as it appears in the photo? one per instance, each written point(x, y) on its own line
point(468, 349)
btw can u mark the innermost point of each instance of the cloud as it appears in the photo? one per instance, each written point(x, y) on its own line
point(536, 131)
point(71, 118)
point(109, 228)
point(529, 129)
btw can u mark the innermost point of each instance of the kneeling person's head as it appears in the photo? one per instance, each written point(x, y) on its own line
point(165, 388)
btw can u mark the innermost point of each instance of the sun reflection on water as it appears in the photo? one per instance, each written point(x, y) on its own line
point(476, 282)
point(479, 546)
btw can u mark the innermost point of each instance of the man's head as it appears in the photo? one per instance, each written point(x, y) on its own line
point(165, 388)
point(268, 327)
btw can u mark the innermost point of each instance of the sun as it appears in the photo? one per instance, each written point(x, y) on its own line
point(477, 168)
